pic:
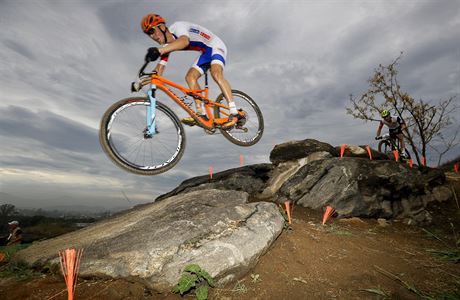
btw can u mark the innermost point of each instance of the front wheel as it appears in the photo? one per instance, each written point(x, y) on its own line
point(248, 130)
point(123, 137)
point(385, 147)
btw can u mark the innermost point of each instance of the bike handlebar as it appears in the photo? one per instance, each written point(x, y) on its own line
point(137, 86)
point(141, 70)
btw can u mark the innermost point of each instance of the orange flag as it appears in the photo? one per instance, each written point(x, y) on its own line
point(342, 149)
point(289, 207)
point(369, 152)
point(396, 155)
point(70, 264)
point(328, 213)
point(411, 163)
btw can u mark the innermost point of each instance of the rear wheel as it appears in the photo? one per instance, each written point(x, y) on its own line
point(248, 131)
point(122, 136)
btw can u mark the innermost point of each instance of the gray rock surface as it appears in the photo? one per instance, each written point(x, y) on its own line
point(285, 170)
point(361, 151)
point(311, 173)
point(295, 150)
point(218, 230)
point(251, 179)
point(360, 187)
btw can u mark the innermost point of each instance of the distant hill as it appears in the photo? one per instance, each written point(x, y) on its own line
point(28, 207)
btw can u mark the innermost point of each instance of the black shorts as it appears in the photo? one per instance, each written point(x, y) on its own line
point(395, 131)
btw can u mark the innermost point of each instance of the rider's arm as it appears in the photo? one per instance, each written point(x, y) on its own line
point(160, 69)
point(379, 130)
point(178, 44)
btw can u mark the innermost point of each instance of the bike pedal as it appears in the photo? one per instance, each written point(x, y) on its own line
point(245, 129)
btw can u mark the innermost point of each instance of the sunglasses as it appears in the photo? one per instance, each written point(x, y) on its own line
point(151, 30)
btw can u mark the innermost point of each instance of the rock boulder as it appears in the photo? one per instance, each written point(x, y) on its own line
point(218, 230)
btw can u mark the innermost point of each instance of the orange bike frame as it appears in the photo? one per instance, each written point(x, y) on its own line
point(163, 84)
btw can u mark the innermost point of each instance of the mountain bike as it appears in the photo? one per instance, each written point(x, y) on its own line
point(144, 136)
point(388, 144)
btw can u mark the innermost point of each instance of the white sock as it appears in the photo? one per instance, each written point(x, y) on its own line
point(232, 107)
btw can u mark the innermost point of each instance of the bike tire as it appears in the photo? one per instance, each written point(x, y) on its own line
point(119, 133)
point(385, 147)
point(254, 120)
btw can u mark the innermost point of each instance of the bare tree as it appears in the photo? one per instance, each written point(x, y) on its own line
point(446, 144)
point(6, 212)
point(425, 121)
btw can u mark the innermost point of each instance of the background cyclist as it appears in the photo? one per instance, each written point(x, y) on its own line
point(395, 126)
point(189, 36)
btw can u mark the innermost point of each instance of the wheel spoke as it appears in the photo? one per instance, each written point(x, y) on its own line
point(252, 129)
point(122, 136)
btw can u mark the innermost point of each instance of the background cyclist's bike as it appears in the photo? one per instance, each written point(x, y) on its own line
point(144, 136)
point(388, 144)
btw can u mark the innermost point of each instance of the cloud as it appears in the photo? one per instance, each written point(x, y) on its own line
point(48, 128)
point(64, 64)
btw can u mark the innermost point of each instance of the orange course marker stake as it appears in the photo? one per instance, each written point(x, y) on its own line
point(342, 149)
point(289, 207)
point(210, 172)
point(369, 152)
point(456, 168)
point(396, 155)
point(70, 264)
point(241, 160)
point(328, 213)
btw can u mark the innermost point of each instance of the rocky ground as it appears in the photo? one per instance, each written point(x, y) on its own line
point(345, 259)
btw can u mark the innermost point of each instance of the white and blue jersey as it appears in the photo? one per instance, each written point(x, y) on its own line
point(394, 125)
point(212, 48)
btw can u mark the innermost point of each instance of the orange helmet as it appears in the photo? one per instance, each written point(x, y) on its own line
point(150, 20)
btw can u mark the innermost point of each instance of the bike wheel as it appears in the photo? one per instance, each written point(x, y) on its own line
point(251, 131)
point(121, 135)
point(385, 147)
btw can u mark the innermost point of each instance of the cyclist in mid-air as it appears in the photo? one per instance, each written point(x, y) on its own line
point(189, 36)
point(395, 126)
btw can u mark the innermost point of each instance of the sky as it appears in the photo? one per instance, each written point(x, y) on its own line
point(63, 63)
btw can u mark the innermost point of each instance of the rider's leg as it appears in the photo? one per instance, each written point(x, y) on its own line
point(192, 80)
point(401, 143)
point(217, 73)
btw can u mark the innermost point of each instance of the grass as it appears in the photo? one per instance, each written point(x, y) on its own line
point(10, 250)
point(339, 231)
point(21, 270)
point(18, 270)
point(377, 291)
point(240, 288)
point(452, 255)
point(451, 294)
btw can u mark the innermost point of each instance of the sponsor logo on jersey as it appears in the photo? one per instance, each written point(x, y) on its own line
point(201, 33)
point(206, 36)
